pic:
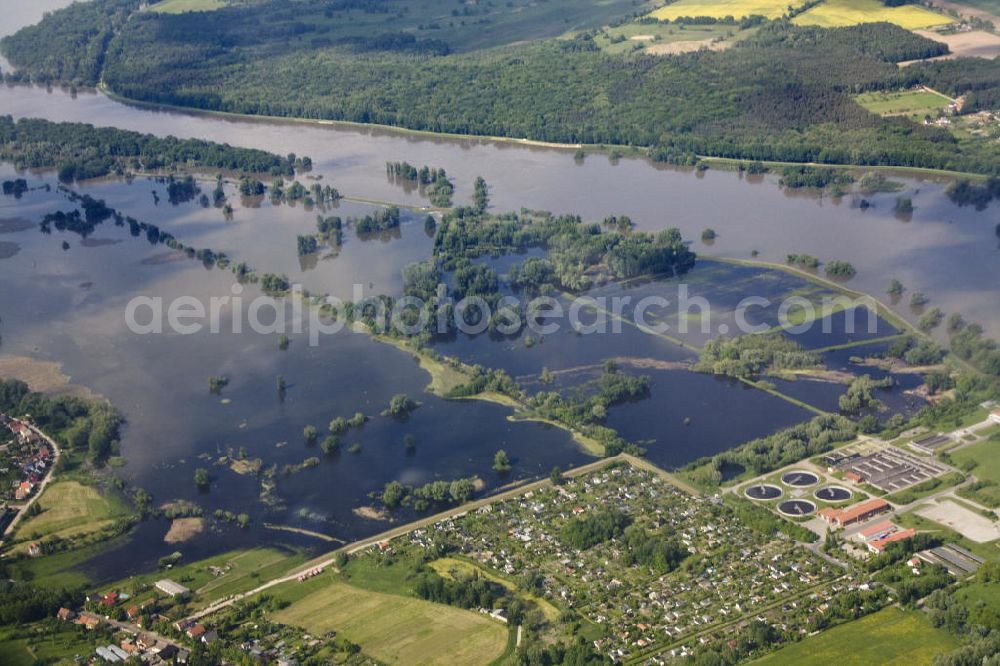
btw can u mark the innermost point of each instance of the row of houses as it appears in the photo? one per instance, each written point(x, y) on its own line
point(147, 646)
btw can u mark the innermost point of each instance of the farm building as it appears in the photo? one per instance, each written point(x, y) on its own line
point(168, 586)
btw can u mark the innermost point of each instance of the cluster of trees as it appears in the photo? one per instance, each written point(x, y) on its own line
point(573, 248)
point(81, 151)
point(794, 104)
point(274, 284)
point(382, 219)
point(968, 343)
point(588, 530)
point(400, 406)
point(181, 190)
point(330, 229)
point(916, 351)
point(90, 427)
point(587, 406)
point(748, 356)
point(306, 245)
point(860, 395)
point(469, 592)
point(840, 269)
point(659, 551)
point(15, 188)
point(818, 177)
point(803, 261)
point(966, 193)
point(783, 447)
point(436, 493)
point(340, 425)
point(21, 603)
point(434, 181)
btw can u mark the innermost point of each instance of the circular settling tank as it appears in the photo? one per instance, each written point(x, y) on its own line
point(796, 507)
point(833, 494)
point(799, 478)
point(763, 491)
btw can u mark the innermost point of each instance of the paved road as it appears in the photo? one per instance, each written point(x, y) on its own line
point(41, 486)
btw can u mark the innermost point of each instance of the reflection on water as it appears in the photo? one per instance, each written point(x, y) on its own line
point(67, 305)
point(747, 213)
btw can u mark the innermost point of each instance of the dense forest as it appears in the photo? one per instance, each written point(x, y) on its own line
point(79, 151)
point(783, 94)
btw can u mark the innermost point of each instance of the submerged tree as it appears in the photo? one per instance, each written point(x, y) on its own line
point(501, 462)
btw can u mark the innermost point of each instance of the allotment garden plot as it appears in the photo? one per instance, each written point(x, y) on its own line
point(721, 571)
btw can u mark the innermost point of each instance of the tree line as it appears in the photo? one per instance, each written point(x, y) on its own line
point(80, 151)
point(794, 84)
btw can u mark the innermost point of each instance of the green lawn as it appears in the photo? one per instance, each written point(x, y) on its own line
point(982, 460)
point(914, 104)
point(392, 628)
point(982, 601)
point(890, 636)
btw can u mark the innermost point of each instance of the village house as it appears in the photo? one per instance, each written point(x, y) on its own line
point(88, 620)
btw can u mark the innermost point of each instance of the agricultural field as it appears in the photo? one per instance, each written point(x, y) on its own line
point(181, 6)
point(396, 629)
point(972, 44)
point(70, 509)
point(722, 8)
point(661, 39)
point(840, 13)
point(890, 636)
point(914, 104)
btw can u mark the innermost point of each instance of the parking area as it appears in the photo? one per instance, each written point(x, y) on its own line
point(970, 525)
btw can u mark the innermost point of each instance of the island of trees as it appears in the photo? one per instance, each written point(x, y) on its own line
point(79, 151)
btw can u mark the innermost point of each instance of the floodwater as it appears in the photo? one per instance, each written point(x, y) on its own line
point(747, 213)
point(67, 305)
